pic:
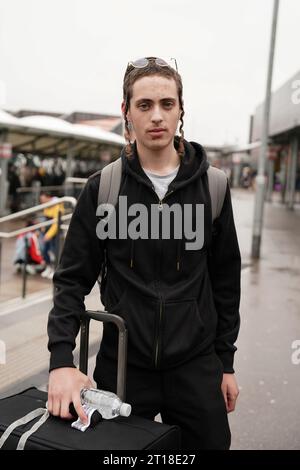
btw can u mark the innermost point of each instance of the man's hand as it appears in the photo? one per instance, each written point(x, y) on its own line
point(65, 384)
point(230, 391)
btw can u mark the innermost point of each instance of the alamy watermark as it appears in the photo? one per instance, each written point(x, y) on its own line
point(160, 222)
point(296, 94)
point(295, 358)
point(2, 352)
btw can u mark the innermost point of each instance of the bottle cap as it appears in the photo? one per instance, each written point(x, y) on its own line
point(125, 409)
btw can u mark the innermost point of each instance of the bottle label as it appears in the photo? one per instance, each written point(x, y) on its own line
point(89, 410)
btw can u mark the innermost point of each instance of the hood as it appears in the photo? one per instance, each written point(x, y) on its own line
point(193, 164)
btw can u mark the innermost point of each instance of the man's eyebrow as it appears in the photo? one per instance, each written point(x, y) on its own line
point(148, 100)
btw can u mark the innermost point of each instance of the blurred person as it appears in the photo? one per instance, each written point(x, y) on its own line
point(36, 176)
point(181, 306)
point(58, 174)
point(14, 184)
point(246, 177)
point(33, 258)
point(49, 237)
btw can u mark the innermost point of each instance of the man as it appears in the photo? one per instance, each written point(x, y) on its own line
point(181, 304)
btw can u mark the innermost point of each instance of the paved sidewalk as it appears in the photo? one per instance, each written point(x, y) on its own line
point(267, 415)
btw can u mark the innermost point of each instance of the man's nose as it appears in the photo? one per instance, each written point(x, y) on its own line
point(156, 116)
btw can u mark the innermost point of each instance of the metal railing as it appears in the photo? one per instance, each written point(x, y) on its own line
point(37, 187)
point(31, 194)
point(21, 214)
point(75, 180)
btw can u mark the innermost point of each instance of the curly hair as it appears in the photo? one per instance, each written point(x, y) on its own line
point(132, 74)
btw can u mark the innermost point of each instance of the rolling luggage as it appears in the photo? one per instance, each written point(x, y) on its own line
point(131, 433)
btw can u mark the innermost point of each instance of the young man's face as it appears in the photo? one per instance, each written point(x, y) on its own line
point(154, 111)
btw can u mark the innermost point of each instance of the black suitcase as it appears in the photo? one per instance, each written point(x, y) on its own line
point(132, 433)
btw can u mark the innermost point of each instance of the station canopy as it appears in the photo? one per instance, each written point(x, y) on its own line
point(52, 136)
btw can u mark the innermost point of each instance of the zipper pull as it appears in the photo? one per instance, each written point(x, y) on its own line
point(160, 205)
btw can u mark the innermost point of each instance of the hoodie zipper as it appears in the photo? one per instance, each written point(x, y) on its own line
point(158, 335)
point(161, 201)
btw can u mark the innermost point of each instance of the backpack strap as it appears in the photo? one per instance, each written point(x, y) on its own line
point(217, 183)
point(110, 183)
point(109, 187)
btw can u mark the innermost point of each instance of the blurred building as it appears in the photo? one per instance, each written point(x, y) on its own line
point(283, 164)
point(57, 145)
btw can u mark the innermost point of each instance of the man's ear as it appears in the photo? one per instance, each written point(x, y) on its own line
point(123, 108)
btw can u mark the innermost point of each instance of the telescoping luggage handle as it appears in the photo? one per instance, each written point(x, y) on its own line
point(122, 345)
point(83, 363)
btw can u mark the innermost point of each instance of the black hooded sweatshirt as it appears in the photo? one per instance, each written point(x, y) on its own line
point(177, 303)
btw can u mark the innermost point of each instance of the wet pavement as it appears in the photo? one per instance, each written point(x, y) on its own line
point(268, 410)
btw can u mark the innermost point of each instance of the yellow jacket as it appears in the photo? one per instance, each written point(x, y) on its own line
point(52, 213)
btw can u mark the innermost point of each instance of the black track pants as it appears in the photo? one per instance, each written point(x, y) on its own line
point(188, 395)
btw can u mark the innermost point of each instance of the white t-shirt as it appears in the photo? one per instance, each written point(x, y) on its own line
point(161, 182)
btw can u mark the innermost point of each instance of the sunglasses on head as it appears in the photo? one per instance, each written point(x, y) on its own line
point(143, 62)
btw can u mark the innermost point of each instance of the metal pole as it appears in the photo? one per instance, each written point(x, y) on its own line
point(260, 179)
point(69, 172)
point(84, 344)
point(36, 193)
point(236, 174)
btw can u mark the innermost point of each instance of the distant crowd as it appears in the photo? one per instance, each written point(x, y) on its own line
point(25, 172)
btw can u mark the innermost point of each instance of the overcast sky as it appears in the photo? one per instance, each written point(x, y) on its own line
point(67, 55)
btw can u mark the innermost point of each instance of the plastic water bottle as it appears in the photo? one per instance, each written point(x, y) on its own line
point(108, 404)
